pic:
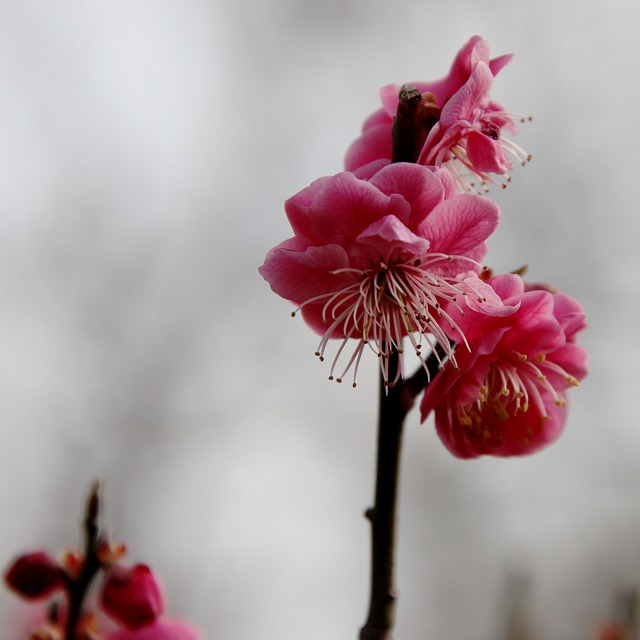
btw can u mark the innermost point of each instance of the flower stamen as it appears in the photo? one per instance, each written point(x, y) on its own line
point(386, 302)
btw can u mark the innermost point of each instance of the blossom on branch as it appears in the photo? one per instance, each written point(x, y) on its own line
point(35, 575)
point(462, 126)
point(506, 395)
point(379, 260)
point(162, 629)
point(131, 596)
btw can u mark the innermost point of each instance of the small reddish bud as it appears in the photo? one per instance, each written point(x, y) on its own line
point(72, 562)
point(131, 596)
point(110, 553)
point(34, 575)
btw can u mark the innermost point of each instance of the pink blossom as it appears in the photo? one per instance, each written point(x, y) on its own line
point(131, 596)
point(35, 575)
point(507, 395)
point(466, 138)
point(375, 260)
point(162, 629)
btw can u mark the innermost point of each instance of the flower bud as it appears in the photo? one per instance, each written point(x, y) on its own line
point(161, 630)
point(131, 596)
point(34, 575)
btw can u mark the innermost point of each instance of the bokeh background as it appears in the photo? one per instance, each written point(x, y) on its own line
point(146, 148)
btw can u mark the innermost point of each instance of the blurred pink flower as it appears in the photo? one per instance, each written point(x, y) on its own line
point(467, 136)
point(507, 395)
point(161, 630)
point(34, 575)
point(375, 260)
point(131, 596)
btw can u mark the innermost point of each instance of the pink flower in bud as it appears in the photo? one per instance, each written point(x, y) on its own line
point(160, 630)
point(377, 260)
point(131, 596)
point(35, 575)
point(507, 395)
point(464, 128)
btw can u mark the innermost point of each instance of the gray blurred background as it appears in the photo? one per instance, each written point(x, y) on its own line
point(146, 148)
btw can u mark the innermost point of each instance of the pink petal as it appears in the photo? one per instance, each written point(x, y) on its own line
point(569, 313)
point(131, 596)
point(459, 226)
point(507, 285)
point(467, 99)
point(390, 97)
point(482, 298)
point(374, 143)
point(389, 234)
point(340, 208)
point(497, 64)
point(419, 186)
point(161, 630)
point(537, 330)
point(486, 154)
point(300, 275)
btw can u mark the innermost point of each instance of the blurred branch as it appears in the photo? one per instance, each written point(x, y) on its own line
point(517, 622)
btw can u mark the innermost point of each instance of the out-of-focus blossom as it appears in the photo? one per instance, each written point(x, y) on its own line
point(35, 575)
point(160, 630)
point(463, 128)
point(377, 260)
point(612, 631)
point(131, 596)
point(507, 394)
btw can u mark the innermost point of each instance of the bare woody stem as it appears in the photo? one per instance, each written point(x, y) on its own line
point(382, 604)
point(77, 589)
point(411, 126)
point(394, 405)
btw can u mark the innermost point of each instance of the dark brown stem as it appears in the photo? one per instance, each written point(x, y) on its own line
point(415, 116)
point(78, 589)
point(393, 409)
point(394, 405)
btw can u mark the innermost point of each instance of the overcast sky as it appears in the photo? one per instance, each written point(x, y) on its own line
point(146, 148)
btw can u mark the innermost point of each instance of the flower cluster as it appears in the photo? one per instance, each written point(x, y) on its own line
point(390, 251)
point(130, 603)
point(377, 260)
point(460, 126)
point(507, 393)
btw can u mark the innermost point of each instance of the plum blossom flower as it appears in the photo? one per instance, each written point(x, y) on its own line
point(163, 629)
point(464, 125)
point(35, 575)
point(506, 396)
point(131, 596)
point(377, 260)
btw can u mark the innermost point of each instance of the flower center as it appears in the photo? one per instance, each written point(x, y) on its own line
point(512, 386)
point(383, 304)
point(489, 123)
